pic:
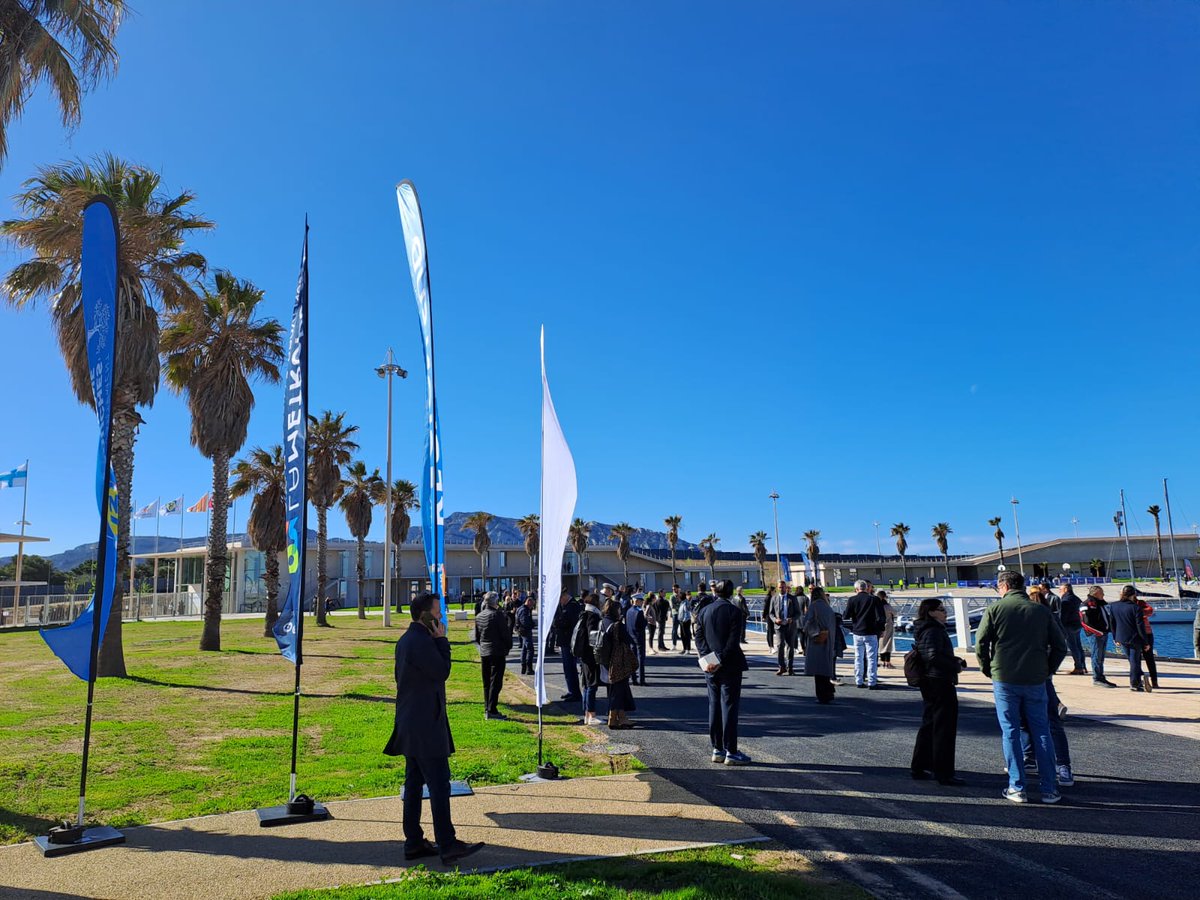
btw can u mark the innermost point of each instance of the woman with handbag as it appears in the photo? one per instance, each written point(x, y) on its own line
point(619, 662)
point(820, 662)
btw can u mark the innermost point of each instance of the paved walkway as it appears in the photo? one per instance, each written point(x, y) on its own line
point(232, 858)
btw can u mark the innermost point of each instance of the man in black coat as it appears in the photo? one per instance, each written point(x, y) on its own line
point(563, 625)
point(422, 732)
point(525, 628)
point(719, 632)
point(865, 613)
point(494, 638)
point(635, 624)
point(1129, 630)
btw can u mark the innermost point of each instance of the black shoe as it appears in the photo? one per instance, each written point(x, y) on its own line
point(952, 781)
point(427, 848)
point(460, 850)
point(875, 687)
point(921, 775)
point(494, 714)
point(860, 685)
point(571, 697)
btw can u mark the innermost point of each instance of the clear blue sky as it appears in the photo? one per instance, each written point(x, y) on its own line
point(854, 236)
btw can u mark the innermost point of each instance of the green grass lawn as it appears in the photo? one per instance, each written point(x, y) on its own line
point(191, 733)
point(755, 872)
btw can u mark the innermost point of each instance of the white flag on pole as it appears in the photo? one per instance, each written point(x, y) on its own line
point(559, 492)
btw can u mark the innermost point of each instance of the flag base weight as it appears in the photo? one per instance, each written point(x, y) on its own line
point(292, 813)
point(88, 839)
point(547, 772)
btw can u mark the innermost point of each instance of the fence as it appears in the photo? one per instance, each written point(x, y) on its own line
point(61, 609)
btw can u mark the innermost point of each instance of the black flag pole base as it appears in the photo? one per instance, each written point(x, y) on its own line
point(302, 809)
point(545, 772)
point(69, 838)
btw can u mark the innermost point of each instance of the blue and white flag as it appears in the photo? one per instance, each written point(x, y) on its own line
point(76, 644)
point(432, 514)
point(172, 507)
point(290, 626)
point(15, 478)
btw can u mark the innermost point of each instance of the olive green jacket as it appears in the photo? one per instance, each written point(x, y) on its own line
point(1019, 641)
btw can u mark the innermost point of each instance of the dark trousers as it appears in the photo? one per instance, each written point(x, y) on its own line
point(685, 635)
point(1134, 652)
point(432, 772)
point(1075, 645)
point(493, 680)
point(934, 750)
point(662, 634)
point(785, 649)
point(570, 670)
point(724, 701)
point(528, 654)
point(640, 644)
point(674, 632)
point(824, 687)
point(1148, 659)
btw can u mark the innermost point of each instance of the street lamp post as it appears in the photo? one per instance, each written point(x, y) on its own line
point(774, 495)
point(1075, 523)
point(386, 371)
point(1017, 523)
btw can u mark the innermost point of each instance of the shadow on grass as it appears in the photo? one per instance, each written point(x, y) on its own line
point(27, 824)
point(353, 695)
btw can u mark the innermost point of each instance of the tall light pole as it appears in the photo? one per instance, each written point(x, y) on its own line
point(386, 371)
point(878, 552)
point(1017, 523)
point(774, 495)
point(1075, 523)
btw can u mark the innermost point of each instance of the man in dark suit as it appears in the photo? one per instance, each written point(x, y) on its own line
point(783, 619)
point(719, 632)
point(422, 732)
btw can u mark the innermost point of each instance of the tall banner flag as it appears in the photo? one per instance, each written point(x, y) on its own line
point(15, 478)
point(289, 628)
point(432, 513)
point(559, 493)
point(77, 644)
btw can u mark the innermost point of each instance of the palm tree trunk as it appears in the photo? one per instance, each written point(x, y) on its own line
point(674, 577)
point(271, 576)
point(1001, 543)
point(625, 569)
point(946, 557)
point(111, 661)
point(530, 571)
point(214, 576)
point(483, 572)
point(1162, 569)
point(322, 541)
point(396, 580)
point(904, 569)
point(359, 566)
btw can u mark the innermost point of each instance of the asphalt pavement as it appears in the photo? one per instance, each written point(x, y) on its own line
point(833, 783)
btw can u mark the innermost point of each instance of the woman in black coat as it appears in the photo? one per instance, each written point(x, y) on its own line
point(933, 755)
point(620, 695)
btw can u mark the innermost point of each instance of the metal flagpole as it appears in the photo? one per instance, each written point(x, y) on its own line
point(1171, 529)
point(179, 549)
point(1017, 522)
point(21, 547)
point(157, 531)
point(1128, 552)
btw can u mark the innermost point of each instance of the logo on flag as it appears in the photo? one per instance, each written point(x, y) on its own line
point(15, 478)
point(149, 511)
point(172, 507)
point(204, 504)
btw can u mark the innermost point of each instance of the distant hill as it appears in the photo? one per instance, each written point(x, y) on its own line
point(502, 530)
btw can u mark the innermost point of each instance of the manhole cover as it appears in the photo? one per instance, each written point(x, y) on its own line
point(611, 749)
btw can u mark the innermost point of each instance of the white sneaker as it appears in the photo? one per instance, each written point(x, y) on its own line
point(591, 720)
point(1015, 796)
point(1065, 778)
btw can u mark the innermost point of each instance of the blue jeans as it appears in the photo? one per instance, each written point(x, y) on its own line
point(1099, 648)
point(1025, 702)
point(866, 657)
point(589, 699)
point(570, 670)
point(1134, 652)
point(1058, 734)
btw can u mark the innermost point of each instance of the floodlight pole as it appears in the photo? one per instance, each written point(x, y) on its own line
point(1017, 522)
point(774, 496)
point(386, 371)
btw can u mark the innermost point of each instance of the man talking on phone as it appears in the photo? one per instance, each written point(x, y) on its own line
point(422, 732)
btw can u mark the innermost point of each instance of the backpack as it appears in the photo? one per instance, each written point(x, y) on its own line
point(914, 667)
point(580, 639)
point(602, 647)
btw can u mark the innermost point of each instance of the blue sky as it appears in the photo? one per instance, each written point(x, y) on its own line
point(896, 261)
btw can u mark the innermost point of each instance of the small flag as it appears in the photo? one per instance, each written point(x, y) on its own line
point(172, 507)
point(15, 478)
point(149, 511)
point(204, 504)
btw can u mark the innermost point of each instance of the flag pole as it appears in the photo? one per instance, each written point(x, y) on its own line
point(157, 532)
point(179, 549)
point(21, 546)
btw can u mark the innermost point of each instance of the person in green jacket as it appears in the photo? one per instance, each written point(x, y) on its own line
point(1019, 646)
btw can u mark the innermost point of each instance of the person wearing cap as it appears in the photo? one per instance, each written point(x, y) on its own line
point(635, 624)
point(494, 637)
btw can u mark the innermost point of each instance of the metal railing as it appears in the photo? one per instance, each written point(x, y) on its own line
point(61, 609)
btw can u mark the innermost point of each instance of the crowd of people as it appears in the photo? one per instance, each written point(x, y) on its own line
point(603, 638)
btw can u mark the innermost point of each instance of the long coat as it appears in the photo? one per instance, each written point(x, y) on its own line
point(819, 659)
point(422, 668)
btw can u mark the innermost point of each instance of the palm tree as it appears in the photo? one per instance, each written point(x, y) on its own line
point(329, 448)
point(154, 271)
point(361, 493)
point(900, 533)
point(621, 531)
point(1097, 567)
point(758, 543)
point(673, 523)
point(531, 528)
point(708, 546)
point(212, 349)
point(478, 522)
point(998, 534)
point(1155, 511)
point(814, 551)
point(69, 46)
point(578, 538)
point(404, 498)
point(262, 473)
point(940, 532)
